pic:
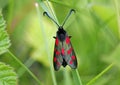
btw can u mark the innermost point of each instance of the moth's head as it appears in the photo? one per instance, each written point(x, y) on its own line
point(60, 28)
point(61, 33)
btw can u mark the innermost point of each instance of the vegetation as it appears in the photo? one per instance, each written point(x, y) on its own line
point(26, 42)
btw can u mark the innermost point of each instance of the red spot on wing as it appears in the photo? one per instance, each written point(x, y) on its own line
point(56, 62)
point(69, 51)
point(71, 62)
point(73, 57)
point(67, 40)
point(63, 51)
point(56, 41)
point(55, 59)
point(57, 52)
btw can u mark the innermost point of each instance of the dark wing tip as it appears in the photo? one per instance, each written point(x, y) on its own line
point(75, 63)
point(56, 68)
point(74, 66)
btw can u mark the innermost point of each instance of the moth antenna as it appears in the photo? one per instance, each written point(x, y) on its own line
point(72, 10)
point(45, 13)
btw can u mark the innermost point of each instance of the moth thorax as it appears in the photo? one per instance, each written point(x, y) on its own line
point(61, 37)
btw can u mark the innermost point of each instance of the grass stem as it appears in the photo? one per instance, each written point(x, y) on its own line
point(118, 15)
point(100, 74)
point(46, 44)
point(76, 77)
point(14, 57)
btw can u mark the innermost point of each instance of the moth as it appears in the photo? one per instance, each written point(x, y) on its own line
point(63, 51)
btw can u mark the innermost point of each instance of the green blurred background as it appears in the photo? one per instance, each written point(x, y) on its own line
point(95, 32)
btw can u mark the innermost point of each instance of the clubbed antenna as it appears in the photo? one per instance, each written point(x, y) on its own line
point(45, 13)
point(72, 10)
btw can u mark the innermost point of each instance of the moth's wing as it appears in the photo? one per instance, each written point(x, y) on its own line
point(57, 58)
point(72, 61)
point(70, 56)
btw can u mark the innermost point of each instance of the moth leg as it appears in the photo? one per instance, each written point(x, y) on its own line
point(70, 36)
point(54, 37)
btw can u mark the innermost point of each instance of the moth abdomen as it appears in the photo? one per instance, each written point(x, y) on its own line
point(64, 63)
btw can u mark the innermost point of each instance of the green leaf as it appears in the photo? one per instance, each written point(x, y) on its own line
point(4, 38)
point(7, 75)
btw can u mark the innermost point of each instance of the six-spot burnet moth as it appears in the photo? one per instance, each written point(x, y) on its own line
point(63, 50)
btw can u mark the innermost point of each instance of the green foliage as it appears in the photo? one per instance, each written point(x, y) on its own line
point(3, 3)
point(114, 57)
point(4, 38)
point(7, 75)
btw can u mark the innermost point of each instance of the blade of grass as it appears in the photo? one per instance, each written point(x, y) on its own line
point(60, 3)
point(10, 12)
point(46, 43)
point(67, 78)
point(52, 12)
point(82, 9)
point(48, 9)
point(14, 57)
point(28, 64)
point(100, 74)
point(118, 14)
point(76, 77)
